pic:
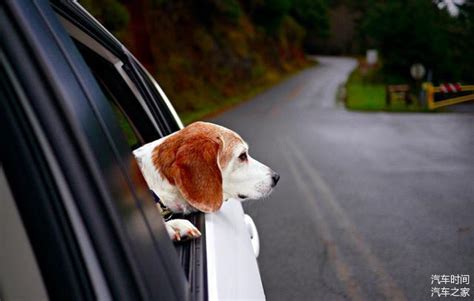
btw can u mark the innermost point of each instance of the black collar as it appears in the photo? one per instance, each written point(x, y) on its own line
point(157, 200)
point(166, 213)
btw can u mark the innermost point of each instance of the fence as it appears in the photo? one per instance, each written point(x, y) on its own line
point(447, 94)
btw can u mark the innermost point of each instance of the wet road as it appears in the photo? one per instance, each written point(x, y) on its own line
point(369, 205)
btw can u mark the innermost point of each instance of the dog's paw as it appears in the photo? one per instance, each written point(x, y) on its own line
point(180, 228)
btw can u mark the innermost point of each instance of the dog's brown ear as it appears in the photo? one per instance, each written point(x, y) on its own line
point(197, 174)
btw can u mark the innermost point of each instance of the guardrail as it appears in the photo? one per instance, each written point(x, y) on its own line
point(449, 90)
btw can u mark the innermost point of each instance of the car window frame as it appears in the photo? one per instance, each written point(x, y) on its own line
point(100, 50)
point(192, 254)
point(38, 200)
point(156, 102)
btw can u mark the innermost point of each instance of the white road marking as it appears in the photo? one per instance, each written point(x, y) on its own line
point(342, 270)
point(385, 282)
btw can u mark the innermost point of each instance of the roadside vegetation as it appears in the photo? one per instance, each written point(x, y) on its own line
point(365, 93)
point(420, 31)
point(211, 54)
point(404, 33)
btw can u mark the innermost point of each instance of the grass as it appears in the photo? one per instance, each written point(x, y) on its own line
point(364, 95)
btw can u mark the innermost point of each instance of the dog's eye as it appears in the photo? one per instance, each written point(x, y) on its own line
point(243, 157)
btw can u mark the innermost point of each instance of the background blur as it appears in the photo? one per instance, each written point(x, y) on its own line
point(213, 53)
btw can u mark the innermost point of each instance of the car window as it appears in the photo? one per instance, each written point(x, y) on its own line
point(132, 118)
point(20, 278)
point(133, 94)
point(127, 127)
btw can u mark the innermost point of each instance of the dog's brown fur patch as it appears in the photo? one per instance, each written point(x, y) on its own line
point(189, 160)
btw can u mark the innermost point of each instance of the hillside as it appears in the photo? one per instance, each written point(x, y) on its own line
point(206, 54)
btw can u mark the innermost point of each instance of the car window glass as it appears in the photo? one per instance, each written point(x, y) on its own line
point(134, 140)
point(126, 126)
point(134, 123)
point(116, 74)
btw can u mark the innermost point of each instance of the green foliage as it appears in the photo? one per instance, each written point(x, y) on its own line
point(204, 41)
point(269, 13)
point(208, 10)
point(466, 20)
point(111, 13)
point(277, 7)
point(292, 31)
point(229, 8)
point(208, 54)
point(412, 31)
point(313, 16)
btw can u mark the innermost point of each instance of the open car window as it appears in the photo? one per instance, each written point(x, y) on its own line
point(134, 123)
point(134, 116)
point(148, 108)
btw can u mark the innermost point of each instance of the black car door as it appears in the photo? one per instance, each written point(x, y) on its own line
point(63, 139)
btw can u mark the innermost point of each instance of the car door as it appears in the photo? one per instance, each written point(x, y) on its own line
point(142, 109)
point(86, 210)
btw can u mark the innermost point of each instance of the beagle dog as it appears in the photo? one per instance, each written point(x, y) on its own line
point(198, 168)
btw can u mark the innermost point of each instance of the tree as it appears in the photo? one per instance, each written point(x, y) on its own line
point(313, 16)
point(411, 31)
point(268, 13)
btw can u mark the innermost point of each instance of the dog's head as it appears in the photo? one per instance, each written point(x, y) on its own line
point(209, 164)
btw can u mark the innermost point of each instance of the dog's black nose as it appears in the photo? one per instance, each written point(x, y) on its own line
point(275, 178)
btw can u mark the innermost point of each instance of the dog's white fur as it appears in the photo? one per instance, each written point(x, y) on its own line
point(241, 179)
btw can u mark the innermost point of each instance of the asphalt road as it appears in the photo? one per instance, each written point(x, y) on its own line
point(369, 205)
